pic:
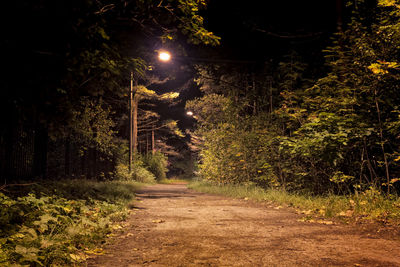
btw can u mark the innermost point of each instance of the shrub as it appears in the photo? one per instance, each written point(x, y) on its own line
point(139, 172)
point(122, 172)
point(157, 164)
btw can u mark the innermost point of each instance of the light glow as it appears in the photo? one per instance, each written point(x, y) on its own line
point(164, 56)
point(189, 113)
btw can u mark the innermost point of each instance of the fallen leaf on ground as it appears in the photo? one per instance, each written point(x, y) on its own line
point(96, 251)
point(116, 227)
point(158, 221)
point(307, 212)
point(326, 222)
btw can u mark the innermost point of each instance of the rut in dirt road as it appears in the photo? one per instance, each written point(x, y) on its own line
point(174, 226)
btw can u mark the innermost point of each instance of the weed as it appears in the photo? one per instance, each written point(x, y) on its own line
point(52, 223)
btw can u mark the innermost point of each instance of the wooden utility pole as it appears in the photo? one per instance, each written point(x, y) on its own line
point(135, 128)
point(152, 141)
point(131, 123)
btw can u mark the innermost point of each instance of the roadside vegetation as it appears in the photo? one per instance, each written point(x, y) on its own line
point(59, 223)
point(62, 222)
point(325, 140)
point(174, 181)
point(368, 205)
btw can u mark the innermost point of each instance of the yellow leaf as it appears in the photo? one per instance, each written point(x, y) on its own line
point(76, 257)
point(377, 69)
point(18, 235)
point(349, 213)
point(67, 210)
point(96, 251)
point(116, 227)
point(307, 212)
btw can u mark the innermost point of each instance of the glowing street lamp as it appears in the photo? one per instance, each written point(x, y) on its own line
point(189, 113)
point(164, 56)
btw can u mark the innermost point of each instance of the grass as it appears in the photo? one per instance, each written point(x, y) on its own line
point(173, 181)
point(368, 205)
point(60, 223)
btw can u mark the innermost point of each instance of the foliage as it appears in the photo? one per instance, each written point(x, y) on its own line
point(60, 223)
point(157, 164)
point(143, 175)
point(173, 181)
point(92, 126)
point(139, 172)
point(285, 127)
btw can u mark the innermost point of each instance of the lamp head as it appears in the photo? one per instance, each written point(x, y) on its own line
point(164, 56)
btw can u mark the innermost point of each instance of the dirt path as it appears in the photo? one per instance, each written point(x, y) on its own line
point(174, 226)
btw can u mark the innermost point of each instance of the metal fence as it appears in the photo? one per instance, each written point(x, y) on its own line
point(26, 153)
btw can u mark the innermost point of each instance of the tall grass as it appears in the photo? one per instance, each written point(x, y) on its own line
point(369, 204)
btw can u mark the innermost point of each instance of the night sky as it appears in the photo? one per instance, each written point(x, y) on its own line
point(260, 31)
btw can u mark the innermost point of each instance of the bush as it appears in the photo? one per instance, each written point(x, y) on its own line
point(157, 164)
point(122, 172)
point(139, 172)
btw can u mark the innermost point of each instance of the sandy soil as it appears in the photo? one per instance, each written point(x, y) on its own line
point(174, 226)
